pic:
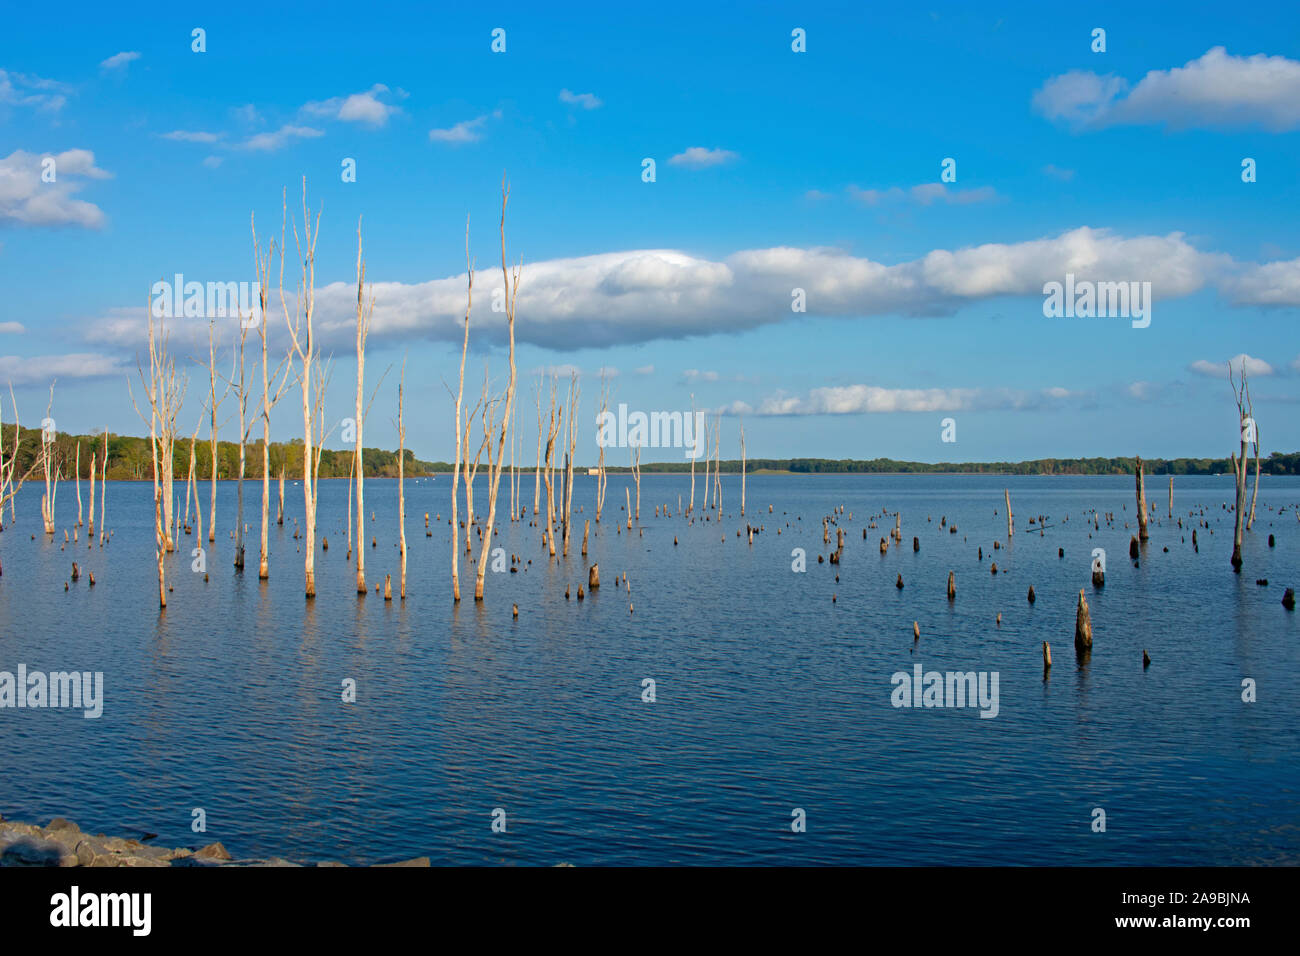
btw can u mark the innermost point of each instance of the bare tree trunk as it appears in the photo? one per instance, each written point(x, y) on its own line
point(166, 396)
point(77, 480)
point(1250, 411)
point(279, 514)
point(694, 424)
point(1141, 502)
point(552, 430)
point(1171, 496)
point(213, 404)
point(305, 348)
point(1239, 462)
point(363, 328)
point(636, 477)
point(511, 285)
point(1011, 528)
point(717, 466)
point(742, 467)
point(241, 400)
point(401, 482)
point(48, 456)
point(198, 506)
point(571, 440)
point(90, 527)
point(460, 394)
point(189, 484)
point(537, 475)
point(269, 400)
point(103, 493)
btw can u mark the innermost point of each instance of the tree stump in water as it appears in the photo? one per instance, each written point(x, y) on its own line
point(1082, 625)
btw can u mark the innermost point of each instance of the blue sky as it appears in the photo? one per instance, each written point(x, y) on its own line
point(924, 298)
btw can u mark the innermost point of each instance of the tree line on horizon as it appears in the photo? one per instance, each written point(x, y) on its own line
point(129, 460)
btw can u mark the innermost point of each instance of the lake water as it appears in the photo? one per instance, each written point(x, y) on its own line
point(769, 696)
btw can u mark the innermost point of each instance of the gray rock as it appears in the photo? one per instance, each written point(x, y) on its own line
point(418, 861)
point(213, 851)
point(35, 851)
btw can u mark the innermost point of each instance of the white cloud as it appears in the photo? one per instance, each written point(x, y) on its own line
point(1253, 366)
point(269, 142)
point(1216, 90)
point(629, 297)
point(191, 136)
point(247, 114)
point(1056, 172)
point(697, 157)
point(928, 193)
point(872, 399)
point(40, 369)
point(24, 89)
point(120, 60)
point(27, 199)
point(650, 369)
point(12, 328)
point(466, 131)
point(365, 107)
point(925, 194)
point(1272, 283)
point(212, 162)
point(588, 101)
point(693, 375)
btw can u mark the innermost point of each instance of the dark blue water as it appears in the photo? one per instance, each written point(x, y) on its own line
point(769, 696)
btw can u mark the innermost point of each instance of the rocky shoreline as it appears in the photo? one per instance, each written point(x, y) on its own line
point(62, 843)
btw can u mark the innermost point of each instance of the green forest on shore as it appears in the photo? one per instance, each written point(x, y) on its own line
point(129, 459)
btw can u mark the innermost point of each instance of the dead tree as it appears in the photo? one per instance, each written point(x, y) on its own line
point(90, 527)
point(717, 465)
point(365, 309)
point(103, 493)
point(460, 449)
point(636, 477)
point(270, 397)
point(77, 481)
point(537, 475)
point(214, 403)
point(742, 468)
point(10, 481)
point(601, 477)
point(510, 280)
point(572, 440)
point(401, 481)
point(552, 431)
point(239, 382)
point(1240, 394)
point(311, 378)
point(166, 394)
point(1254, 435)
point(1011, 528)
point(49, 466)
point(1141, 502)
point(694, 454)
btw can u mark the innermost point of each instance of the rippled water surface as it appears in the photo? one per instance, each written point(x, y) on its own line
point(771, 696)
